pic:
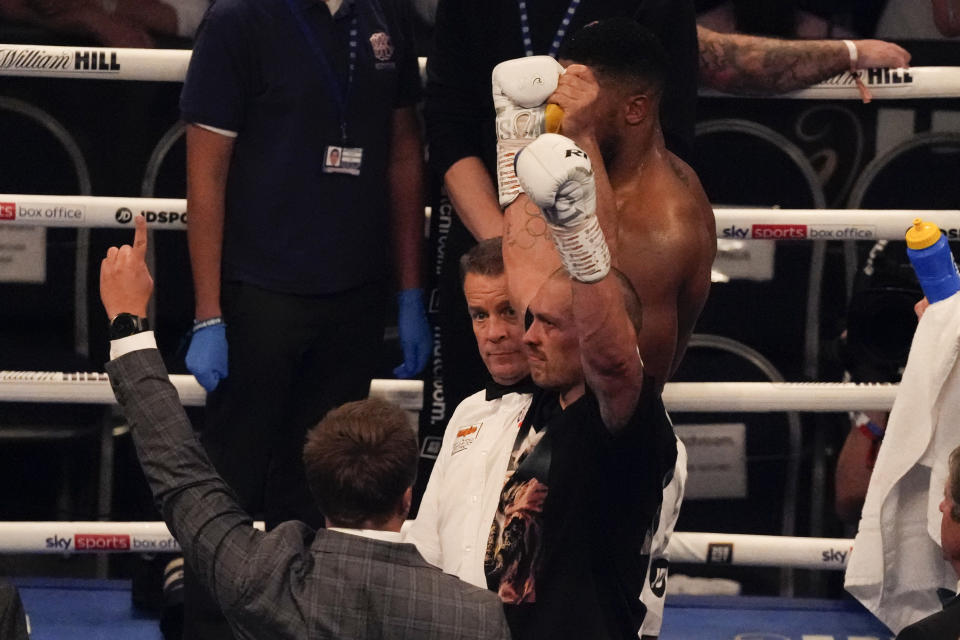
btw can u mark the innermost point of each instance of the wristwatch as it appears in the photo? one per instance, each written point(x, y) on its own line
point(127, 324)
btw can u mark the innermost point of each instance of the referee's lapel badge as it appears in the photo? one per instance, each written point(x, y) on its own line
point(465, 437)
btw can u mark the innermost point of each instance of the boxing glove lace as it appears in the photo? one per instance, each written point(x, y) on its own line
point(520, 90)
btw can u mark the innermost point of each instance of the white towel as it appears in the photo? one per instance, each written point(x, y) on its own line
point(897, 565)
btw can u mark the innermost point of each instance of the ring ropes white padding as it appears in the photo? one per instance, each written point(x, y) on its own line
point(89, 537)
point(694, 548)
point(732, 222)
point(94, 388)
point(170, 65)
point(750, 397)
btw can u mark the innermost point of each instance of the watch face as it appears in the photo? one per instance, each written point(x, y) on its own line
point(125, 324)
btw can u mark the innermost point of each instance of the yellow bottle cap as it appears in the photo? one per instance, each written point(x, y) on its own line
point(922, 234)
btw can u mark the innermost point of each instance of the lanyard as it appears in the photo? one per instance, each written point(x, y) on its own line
point(340, 93)
point(561, 30)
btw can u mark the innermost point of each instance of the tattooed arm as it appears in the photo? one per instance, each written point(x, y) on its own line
point(736, 63)
point(946, 15)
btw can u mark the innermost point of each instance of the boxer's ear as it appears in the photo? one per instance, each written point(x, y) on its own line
point(406, 501)
point(638, 109)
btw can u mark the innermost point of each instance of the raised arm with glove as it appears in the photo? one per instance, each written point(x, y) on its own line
point(520, 91)
point(556, 175)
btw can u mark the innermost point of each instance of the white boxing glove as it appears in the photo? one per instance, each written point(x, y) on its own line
point(556, 175)
point(520, 89)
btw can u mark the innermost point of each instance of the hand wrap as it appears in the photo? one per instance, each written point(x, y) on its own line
point(556, 175)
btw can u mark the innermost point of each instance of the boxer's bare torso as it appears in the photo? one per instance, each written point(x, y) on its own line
point(662, 235)
point(665, 242)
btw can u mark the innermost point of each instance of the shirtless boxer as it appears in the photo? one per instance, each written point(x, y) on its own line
point(662, 232)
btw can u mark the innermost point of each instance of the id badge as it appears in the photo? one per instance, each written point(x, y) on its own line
point(342, 160)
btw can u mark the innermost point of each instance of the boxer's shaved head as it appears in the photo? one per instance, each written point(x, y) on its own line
point(631, 302)
point(620, 52)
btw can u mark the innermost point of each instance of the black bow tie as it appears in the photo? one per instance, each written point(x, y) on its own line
point(496, 390)
point(945, 595)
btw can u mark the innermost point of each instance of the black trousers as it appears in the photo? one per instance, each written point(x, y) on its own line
point(13, 620)
point(291, 359)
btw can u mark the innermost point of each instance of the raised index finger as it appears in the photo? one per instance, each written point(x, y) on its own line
point(140, 235)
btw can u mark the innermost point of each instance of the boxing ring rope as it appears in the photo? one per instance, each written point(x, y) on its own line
point(827, 224)
point(693, 397)
point(684, 547)
point(170, 65)
point(884, 84)
point(94, 388)
point(100, 63)
point(732, 222)
point(81, 388)
point(759, 551)
point(774, 397)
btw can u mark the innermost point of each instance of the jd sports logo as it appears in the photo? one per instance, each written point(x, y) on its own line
point(575, 152)
point(124, 215)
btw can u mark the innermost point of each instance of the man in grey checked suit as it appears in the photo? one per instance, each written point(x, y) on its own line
point(354, 580)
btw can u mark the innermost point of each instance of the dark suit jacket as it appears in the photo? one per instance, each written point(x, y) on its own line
point(13, 620)
point(292, 582)
point(942, 625)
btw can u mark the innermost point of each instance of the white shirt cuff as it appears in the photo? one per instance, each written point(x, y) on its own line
point(223, 132)
point(136, 342)
point(374, 534)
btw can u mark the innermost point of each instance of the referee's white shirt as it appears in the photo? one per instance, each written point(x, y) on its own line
point(458, 506)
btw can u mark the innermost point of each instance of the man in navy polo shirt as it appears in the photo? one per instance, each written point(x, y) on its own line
point(304, 167)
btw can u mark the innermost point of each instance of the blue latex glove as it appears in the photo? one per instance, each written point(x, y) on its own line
point(207, 356)
point(415, 336)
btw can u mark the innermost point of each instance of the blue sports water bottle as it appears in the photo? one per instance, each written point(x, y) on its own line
point(932, 261)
